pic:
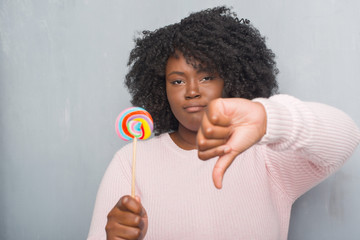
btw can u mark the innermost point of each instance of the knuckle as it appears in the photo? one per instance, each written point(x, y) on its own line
point(109, 227)
point(219, 151)
point(110, 215)
point(123, 200)
point(202, 155)
point(137, 233)
point(208, 131)
point(201, 144)
point(134, 233)
point(137, 220)
point(214, 119)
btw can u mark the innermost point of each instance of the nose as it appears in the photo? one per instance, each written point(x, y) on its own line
point(192, 90)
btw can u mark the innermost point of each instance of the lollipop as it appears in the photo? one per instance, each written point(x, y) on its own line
point(134, 123)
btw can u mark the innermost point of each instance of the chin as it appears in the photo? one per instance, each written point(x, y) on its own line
point(191, 125)
point(193, 128)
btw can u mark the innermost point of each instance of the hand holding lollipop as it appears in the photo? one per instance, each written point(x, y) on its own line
point(134, 123)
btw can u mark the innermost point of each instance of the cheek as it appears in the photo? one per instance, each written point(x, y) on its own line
point(172, 98)
point(218, 91)
point(168, 95)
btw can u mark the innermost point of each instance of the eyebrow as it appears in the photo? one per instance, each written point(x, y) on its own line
point(182, 73)
point(176, 73)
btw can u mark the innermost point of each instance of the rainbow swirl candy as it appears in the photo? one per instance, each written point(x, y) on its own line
point(134, 122)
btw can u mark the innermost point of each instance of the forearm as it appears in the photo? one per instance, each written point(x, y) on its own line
point(317, 130)
point(306, 142)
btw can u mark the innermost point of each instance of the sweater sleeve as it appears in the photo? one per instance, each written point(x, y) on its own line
point(305, 142)
point(114, 185)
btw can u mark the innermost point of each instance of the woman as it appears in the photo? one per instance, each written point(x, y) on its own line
point(208, 82)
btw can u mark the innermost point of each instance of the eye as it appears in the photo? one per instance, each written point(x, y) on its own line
point(177, 82)
point(207, 78)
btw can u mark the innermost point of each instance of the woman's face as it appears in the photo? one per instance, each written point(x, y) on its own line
point(189, 91)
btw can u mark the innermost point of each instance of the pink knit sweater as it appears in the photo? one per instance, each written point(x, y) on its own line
point(304, 143)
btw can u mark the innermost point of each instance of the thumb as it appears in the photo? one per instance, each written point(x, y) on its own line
point(220, 168)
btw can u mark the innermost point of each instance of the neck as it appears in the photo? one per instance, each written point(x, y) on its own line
point(184, 138)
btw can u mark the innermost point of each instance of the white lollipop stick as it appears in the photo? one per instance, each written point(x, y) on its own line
point(133, 168)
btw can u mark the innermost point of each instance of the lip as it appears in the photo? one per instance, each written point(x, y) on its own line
point(193, 108)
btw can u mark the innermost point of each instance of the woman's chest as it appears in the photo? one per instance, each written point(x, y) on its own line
point(183, 203)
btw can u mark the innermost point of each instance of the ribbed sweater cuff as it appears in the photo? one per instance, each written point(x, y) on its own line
point(279, 122)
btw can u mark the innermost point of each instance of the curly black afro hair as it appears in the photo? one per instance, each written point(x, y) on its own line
point(217, 39)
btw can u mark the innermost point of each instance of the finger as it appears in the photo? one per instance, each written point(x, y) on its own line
point(127, 203)
point(125, 218)
point(220, 168)
point(143, 211)
point(210, 130)
point(214, 152)
point(116, 231)
point(216, 113)
point(206, 144)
